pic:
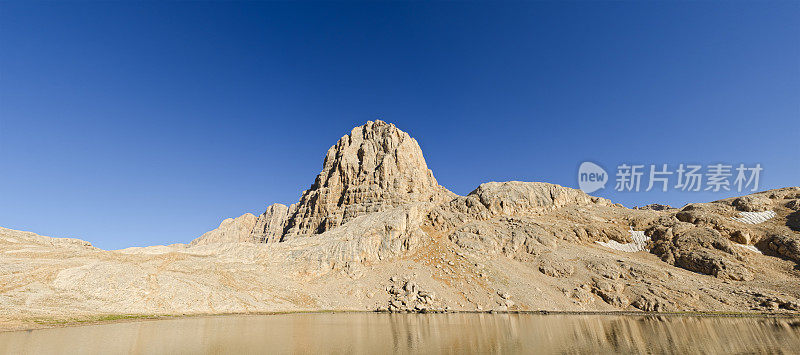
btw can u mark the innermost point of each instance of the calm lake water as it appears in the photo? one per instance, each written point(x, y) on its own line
point(404, 333)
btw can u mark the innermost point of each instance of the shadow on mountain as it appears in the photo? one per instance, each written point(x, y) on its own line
point(793, 221)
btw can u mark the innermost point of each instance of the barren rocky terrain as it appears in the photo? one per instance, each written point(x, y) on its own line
point(375, 231)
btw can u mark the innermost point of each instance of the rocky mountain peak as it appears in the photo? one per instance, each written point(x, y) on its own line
point(376, 153)
point(375, 167)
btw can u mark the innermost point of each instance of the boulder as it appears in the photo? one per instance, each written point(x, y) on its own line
point(786, 246)
point(751, 203)
point(706, 262)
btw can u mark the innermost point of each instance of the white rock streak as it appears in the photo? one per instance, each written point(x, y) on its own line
point(751, 248)
point(639, 243)
point(754, 217)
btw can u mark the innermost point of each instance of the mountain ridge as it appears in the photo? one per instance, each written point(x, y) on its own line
point(377, 232)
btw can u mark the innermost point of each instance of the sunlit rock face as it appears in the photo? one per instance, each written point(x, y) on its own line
point(231, 230)
point(375, 167)
point(270, 224)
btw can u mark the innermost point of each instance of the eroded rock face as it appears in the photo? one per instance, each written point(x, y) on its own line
point(555, 268)
point(786, 246)
point(270, 224)
point(377, 236)
point(751, 204)
point(504, 218)
point(611, 292)
point(512, 197)
point(231, 230)
point(706, 262)
point(507, 236)
point(375, 167)
point(699, 249)
point(509, 198)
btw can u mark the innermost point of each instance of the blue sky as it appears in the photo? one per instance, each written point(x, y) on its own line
point(131, 124)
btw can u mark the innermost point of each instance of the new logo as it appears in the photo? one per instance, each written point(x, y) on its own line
point(591, 177)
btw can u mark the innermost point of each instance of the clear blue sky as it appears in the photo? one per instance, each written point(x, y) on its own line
point(131, 124)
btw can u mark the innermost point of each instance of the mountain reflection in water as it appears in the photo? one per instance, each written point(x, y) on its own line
point(425, 333)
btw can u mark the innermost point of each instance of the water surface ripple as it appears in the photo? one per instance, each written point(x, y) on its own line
point(424, 333)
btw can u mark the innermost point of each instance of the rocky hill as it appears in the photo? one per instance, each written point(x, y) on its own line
point(375, 231)
point(372, 169)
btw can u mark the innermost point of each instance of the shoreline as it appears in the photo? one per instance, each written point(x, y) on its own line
point(41, 323)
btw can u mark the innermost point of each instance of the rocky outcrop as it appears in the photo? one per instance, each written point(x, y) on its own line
point(231, 230)
point(507, 218)
point(408, 297)
point(654, 207)
point(699, 249)
point(377, 236)
point(786, 246)
point(374, 168)
point(556, 268)
point(21, 237)
point(509, 198)
point(611, 292)
point(751, 203)
point(270, 224)
point(706, 262)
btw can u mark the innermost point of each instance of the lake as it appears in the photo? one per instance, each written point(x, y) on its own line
point(424, 333)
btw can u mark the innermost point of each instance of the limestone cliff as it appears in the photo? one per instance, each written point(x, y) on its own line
point(270, 224)
point(374, 168)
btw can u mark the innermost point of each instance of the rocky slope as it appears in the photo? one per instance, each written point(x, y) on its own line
point(376, 232)
point(231, 230)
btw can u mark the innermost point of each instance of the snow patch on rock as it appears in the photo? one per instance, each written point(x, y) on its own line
point(749, 247)
point(639, 243)
point(754, 217)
